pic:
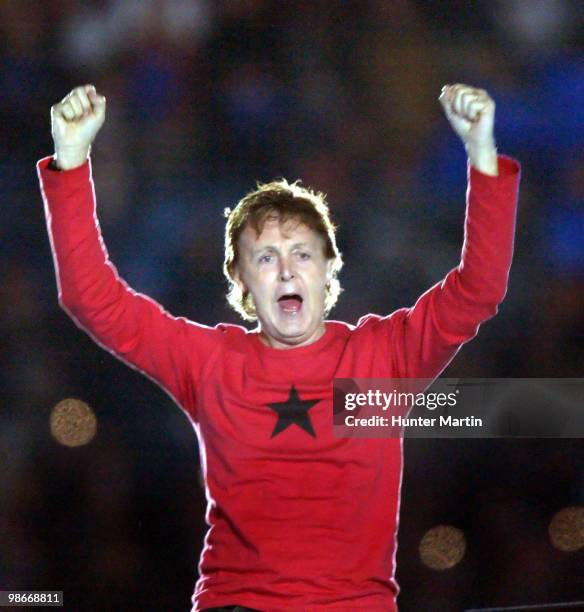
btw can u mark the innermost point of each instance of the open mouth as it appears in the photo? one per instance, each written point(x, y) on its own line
point(290, 303)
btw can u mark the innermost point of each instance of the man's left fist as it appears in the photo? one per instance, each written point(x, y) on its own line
point(471, 113)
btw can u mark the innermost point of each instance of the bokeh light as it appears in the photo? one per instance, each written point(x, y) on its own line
point(442, 547)
point(73, 423)
point(566, 529)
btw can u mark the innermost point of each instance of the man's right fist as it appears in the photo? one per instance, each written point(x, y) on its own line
point(75, 121)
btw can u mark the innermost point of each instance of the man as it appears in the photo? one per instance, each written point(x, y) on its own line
point(299, 519)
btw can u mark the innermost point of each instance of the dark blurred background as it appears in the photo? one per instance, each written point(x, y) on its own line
point(204, 98)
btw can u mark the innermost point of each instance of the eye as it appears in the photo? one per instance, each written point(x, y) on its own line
point(303, 255)
point(266, 258)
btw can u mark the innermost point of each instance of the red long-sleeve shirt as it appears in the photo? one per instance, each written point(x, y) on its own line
point(298, 519)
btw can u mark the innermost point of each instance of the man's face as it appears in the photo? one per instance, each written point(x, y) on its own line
point(286, 272)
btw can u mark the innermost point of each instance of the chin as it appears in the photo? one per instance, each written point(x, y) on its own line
point(289, 330)
point(293, 331)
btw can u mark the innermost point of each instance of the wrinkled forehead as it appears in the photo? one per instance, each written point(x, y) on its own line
point(274, 230)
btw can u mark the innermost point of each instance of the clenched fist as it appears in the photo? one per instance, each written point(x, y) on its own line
point(471, 113)
point(75, 121)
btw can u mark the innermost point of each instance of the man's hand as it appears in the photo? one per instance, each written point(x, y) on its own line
point(75, 121)
point(471, 113)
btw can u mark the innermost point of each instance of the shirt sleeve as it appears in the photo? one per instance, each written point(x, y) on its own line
point(131, 326)
point(424, 338)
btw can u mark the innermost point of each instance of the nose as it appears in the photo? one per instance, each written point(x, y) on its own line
point(286, 272)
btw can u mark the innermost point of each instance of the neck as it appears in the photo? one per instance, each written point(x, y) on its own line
point(284, 343)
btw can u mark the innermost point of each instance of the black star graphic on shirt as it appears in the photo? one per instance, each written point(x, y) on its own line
point(293, 410)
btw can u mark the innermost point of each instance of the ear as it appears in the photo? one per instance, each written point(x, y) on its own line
point(238, 280)
point(329, 270)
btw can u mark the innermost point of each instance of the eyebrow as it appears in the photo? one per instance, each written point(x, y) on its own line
point(271, 247)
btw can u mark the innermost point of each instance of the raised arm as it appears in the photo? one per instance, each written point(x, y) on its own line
point(130, 325)
point(430, 333)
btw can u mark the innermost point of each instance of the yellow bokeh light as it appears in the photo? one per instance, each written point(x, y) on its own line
point(442, 547)
point(566, 529)
point(73, 423)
